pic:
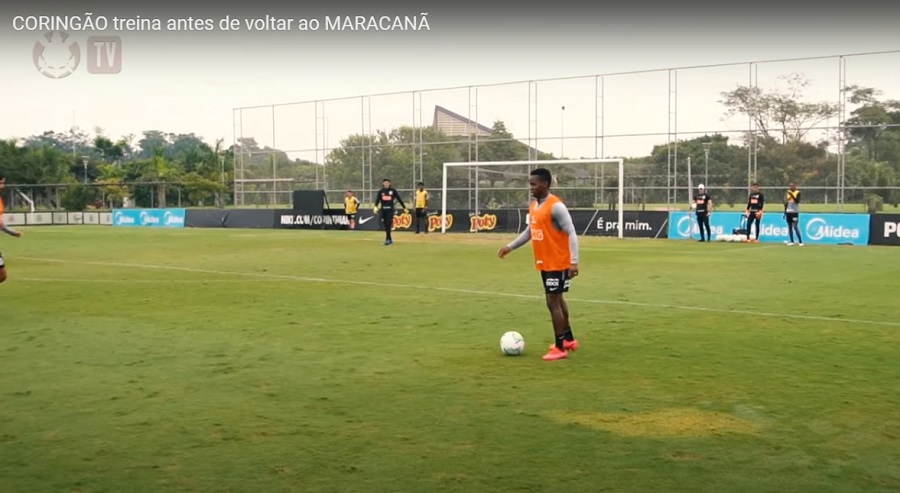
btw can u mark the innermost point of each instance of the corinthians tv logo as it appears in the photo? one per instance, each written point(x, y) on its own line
point(56, 55)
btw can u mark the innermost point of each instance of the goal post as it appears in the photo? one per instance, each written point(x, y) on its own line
point(26, 198)
point(533, 164)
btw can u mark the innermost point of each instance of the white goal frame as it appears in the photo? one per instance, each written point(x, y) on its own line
point(537, 164)
point(30, 217)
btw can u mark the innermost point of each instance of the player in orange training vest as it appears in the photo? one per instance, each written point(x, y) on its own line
point(6, 230)
point(555, 245)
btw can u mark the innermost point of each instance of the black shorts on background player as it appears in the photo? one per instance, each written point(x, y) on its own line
point(703, 225)
point(421, 219)
point(556, 281)
point(387, 219)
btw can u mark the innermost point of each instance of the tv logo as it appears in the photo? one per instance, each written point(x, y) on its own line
point(57, 56)
point(104, 54)
point(891, 229)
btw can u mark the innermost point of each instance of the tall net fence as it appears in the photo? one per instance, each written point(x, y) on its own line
point(104, 196)
point(591, 185)
point(830, 124)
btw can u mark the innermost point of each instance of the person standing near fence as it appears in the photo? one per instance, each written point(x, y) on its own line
point(754, 212)
point(792, 214)
point(384, 203)
point(702, 206)
point(351, 207)
point(421, 208)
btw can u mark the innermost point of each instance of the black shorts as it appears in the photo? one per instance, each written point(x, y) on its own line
point(420, 212)
point(555, 281)
point(351, 216)
point(792, 217)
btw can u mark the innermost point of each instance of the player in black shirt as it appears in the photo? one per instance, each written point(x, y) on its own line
point(703, 205)
point(384, 202)
point(754, 211)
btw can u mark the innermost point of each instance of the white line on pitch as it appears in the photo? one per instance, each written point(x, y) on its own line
point(141, 281)
point(470, 291)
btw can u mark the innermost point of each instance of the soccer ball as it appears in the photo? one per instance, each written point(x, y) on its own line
point(512, 343)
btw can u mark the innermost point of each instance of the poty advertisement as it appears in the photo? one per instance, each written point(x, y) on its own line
point(154, 218)
point(884, 229)
point(816, 229)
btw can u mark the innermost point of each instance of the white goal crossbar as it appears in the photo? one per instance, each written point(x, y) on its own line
point(537, 164)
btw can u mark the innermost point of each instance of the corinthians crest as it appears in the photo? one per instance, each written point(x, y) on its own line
point(56, 58)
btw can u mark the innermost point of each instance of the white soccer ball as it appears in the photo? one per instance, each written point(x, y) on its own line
point(512, 343)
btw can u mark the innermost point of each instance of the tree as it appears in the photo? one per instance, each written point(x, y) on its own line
point(162, 171)
point(873, 125)
point(109, 151)
point(501, 145)
point(391, 155)
point(779, 114)
point(212, 167)
point(78, 197)
point(151, 142)
point(878, 179)
point(727, 169)
point(111, 179)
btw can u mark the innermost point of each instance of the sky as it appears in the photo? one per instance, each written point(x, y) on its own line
point(192, 81)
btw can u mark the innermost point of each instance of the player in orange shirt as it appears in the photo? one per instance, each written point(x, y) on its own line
point(5, 230)
point(555, 244)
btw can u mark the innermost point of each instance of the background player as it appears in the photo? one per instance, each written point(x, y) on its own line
point(385, 203)
point(555, 244)
point(792, 213)
point(703, 205)
point(351, 207)
point(754, 212)
point(6, 230)
point(421, 208)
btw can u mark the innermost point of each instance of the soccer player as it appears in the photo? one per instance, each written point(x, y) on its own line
point(792, 214)
point(351, 207)
point(555, 244)
point(754, 212)
point(6, 230)
point(703, 207)
point(387, 196)
point(421, 208)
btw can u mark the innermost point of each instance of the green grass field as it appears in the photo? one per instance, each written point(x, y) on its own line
point(285, 361)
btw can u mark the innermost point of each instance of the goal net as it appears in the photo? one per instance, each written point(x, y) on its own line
point(479, 186)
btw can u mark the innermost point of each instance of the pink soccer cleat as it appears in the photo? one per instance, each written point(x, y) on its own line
point(555, 353)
